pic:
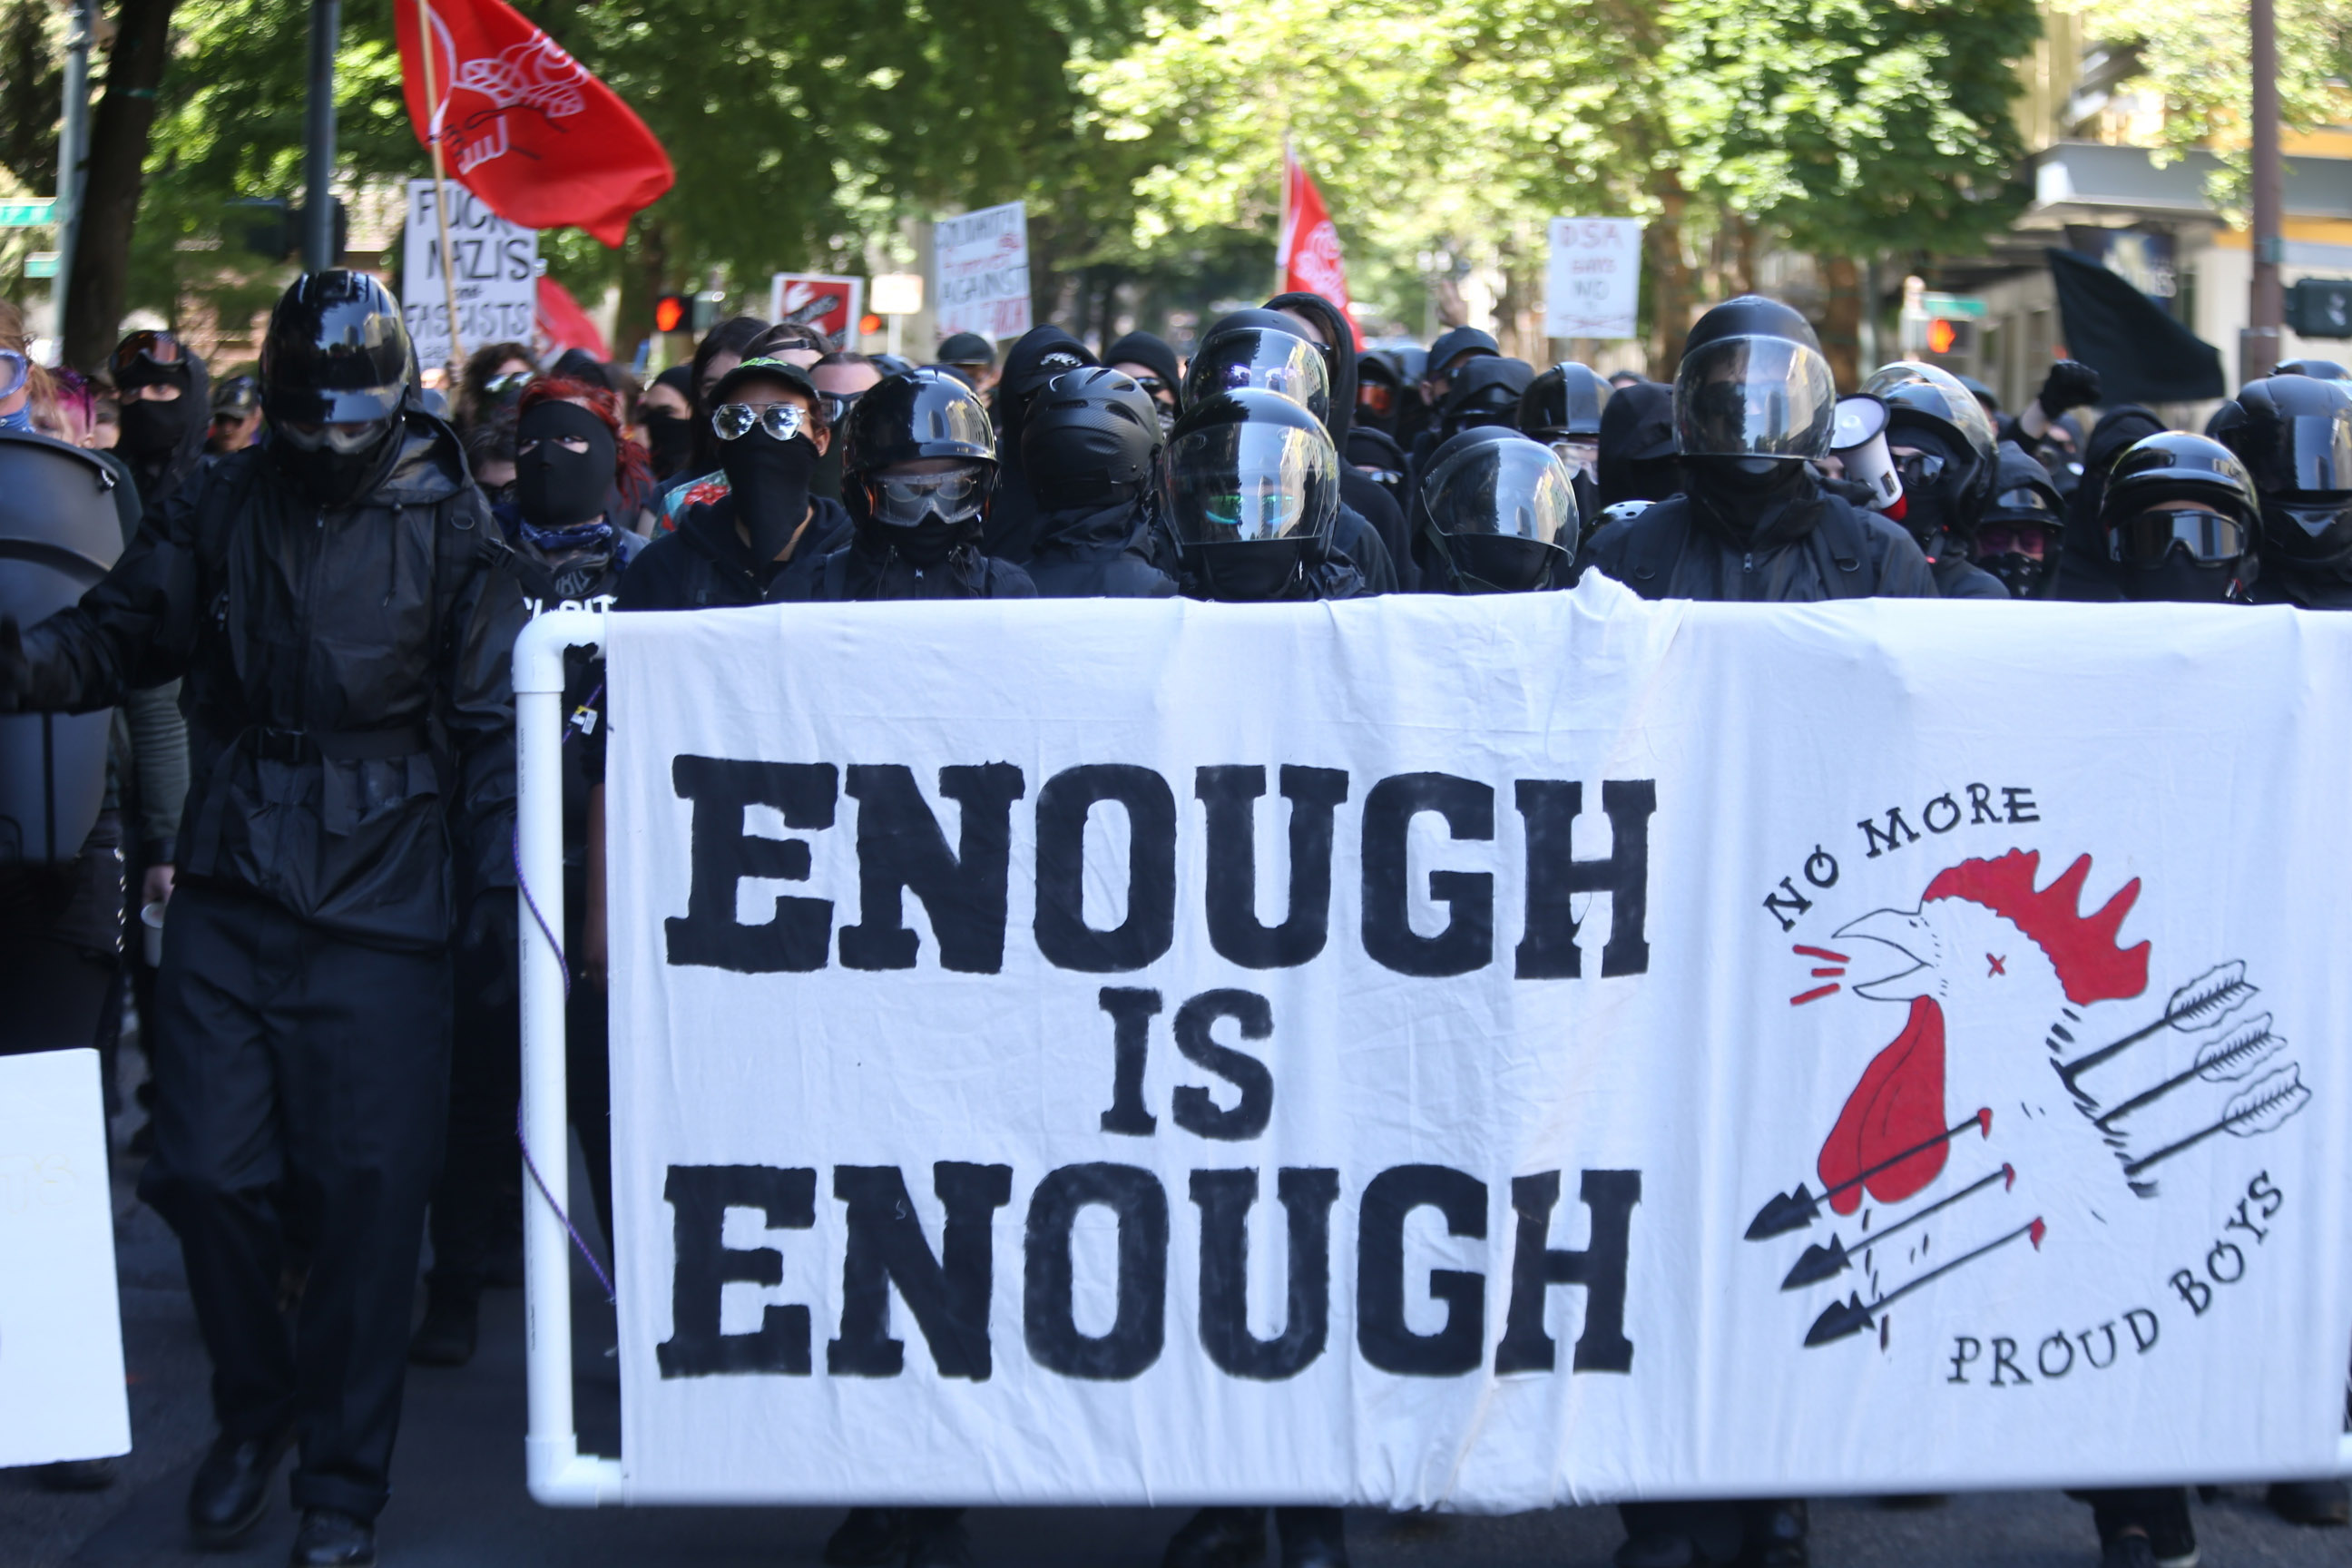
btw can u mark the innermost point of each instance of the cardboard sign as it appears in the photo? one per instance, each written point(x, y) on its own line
point(832, 305)
point(1594, 288)
point(496, 265)
point(983, 265)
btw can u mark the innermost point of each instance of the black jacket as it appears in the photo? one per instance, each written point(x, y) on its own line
point(1359, 492)
point(579, 576)
point(1100, 554)
point(706, 565)
point(862, 569)
point(1820, 548)
point(2305, 587)
point(1013, 511)
point(350, 712)
point(1958, 577)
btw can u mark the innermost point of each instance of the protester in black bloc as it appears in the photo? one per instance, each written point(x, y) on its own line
point(722, 348)
point(1497, 514)
point(665, 414)
point(494, 377)
point(1486, 391)
point(2295, 436)
point(1636, 460)
point(1454, 348)
point(1093, 447)
point(1380, 393)
point(1152, 362)
point(1753, 405)
point(1267, 351)
point(1942, 444)
point(1041, 354)
point(1328, 329)
point(1375, 455)
point(1563, 408)
point(570, 458)
point(2085, 574)
point(237, 415)
point(2022, 527)
point(165, 406)
point(337, 602)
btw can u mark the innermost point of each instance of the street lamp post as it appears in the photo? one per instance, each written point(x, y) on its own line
point(2258, 348)
point(318, 135)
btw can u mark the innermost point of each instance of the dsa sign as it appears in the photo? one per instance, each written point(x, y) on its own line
point(1594, 282)
point(493, 263)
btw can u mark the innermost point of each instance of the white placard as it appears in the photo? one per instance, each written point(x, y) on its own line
point(897, 293)
point(61, 1389)
point(983, 265)
point(496, 265)
point(1478, 1052)
point(1594, 288)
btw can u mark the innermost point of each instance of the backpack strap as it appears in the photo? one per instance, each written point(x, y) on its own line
point(1842, 552)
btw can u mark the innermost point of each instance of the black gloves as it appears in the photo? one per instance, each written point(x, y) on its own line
point(16, 671)
point(488, 946)
point(2070, 385)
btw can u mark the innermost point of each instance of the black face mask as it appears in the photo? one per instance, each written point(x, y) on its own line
point(1653, 478)
point(1251, 574)
point(927, 543)
point(1499, 563)
point(152, 430)
point(2024, 576)
point(770, 482)
point(670, 438)
point(2180, 580)
point(330, 476)
point(555, 486)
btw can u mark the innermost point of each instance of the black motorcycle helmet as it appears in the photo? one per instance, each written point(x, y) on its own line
point(1922, 399)
point(1502, 508)
point(2293, 433)
point(1564, 403)
point(922, 415)
point(2180, 552)
point(1260, 349)
point(336, 371)
point(1254, 483)
point(1486, 391)
point(1753, 392)
point(1092, 439)
point(2023, 525)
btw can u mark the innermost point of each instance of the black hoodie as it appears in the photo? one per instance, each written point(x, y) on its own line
point(1013, 511)
point(2085, 575)
point(1360, 494)
point(158, 478)
point(1145, 348)
point(1097, 553)
point(1637, 445)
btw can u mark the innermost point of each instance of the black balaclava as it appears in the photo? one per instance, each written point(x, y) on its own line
point(1747, 498)
point(154, 430)
point(159, 464)
point(1931, 512)
point(1147, 349)
point(670, 438)
point(1637, 446)
point(768, 480)
point(2182, 580)
point(556, 488)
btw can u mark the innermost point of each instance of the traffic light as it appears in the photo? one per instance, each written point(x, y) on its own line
point(669, 312)
point(2320, 308)
point(696, 313)
point(1950, 335)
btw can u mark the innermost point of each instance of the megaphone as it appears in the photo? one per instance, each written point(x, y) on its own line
point(1859, 440)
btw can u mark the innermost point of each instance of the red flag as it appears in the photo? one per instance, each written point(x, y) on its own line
point(523, 125)
point(562, 324)
point(1308, 249)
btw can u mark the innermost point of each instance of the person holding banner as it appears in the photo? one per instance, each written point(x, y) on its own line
point(1043, 353)
point(1093, 449)
point(1496, 515)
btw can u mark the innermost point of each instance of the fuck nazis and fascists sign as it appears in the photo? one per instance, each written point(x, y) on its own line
point(1477, 1053)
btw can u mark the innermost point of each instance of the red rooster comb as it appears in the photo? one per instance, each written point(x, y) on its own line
point(2081, 947)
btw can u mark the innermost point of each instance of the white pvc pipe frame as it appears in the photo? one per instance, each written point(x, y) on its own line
point(560, 1475)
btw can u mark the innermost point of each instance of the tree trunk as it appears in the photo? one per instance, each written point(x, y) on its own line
point(1670, 280)
point(641, 284)
point(1841, 322)
point(118, 156)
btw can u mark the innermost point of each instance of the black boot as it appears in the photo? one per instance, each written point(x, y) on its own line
point(868, 1538)
point(452, 1324)
point(1311, 1537)
point(1219, 1538)
point(330, 1538)
point(2325, 1503)
point(231, 1490)
point(78, 1475)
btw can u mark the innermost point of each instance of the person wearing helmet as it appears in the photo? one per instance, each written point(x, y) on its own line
point(2022, 527)
point(1563, 408)
point(1497, 513)
point(916, 474)
point(2085, 574)
point(1754, 408)
point(1634, 457)
point(1486, 391)
point(2181, 522)
point(1041, 354)
point(338, 605)
point(1942, 444)
point(1327, 327)
point(2293, 433)
point(1092, 447)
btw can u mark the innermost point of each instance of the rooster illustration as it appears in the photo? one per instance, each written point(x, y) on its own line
point(1997, 1115)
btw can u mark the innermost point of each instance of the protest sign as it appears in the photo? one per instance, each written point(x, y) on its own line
point(1593, 287)
point(496, 266)
point(1477, 1052)
point(61, 1390)
point(832, 305)
point(983, 265)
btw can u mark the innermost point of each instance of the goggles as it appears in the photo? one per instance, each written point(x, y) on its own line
point(345, 438)
point(905, 500)
point(2022, 500)
point(13, 368)
point(783, 421)
point(145, 352)
point(2315, 518)
point(838, 404)
point(2148, 538)
point(1580, 455)
point(2027, 539)
point(1919, 469)
point(1375, 398)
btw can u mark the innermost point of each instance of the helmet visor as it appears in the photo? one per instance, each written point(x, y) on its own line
point(1513, 488)
point(2313, 453)
point(2147, 539)
point(1754, 397)
point(1247, 484)
point(1270, 361)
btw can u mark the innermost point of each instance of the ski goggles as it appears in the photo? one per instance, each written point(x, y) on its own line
point(782, 421)
point(346, 438)
point(141, 354)
point(13, 368)
point(2149, 538)
point(2029, 539)
point(1919, 469)
point(953, 495)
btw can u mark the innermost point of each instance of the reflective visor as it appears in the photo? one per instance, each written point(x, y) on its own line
point(2027, 499)
point(1272, 361)
point(1754, 397)
point(2148, 538)
point(2316, 453)
point(1513, 488)
point(1245, 484)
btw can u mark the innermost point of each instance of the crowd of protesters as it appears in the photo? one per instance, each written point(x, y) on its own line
point(310, 780)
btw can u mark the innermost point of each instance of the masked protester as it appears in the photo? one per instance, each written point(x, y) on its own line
point(1334, 337)
point(1151, 362)
point(2067, 385)
point(1486, 391)
point(1753, 408)
point(165, 406)
point(2059, 452)
point(1041, 354)
point(1092, 445)
point(2181, 522)
point(569, 456)
point(2022, 527)
point(2294, 435)
point(338, 602)
point(1453, 349)
point(1636, 461)
point(1497, 515)
point(722, 348)
point(494, 377)
point(1380, 393)
point(665, 414)
point(1942, 443)
point(1375, 455)
point(2085, 574)
point(1563, 408)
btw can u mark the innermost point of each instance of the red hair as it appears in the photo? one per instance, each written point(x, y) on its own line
point(2081, 947)
point(633, 470)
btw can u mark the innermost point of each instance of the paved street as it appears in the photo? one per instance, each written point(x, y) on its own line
point(459, 1500)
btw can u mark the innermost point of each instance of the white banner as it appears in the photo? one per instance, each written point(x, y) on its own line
point(1478, 1052)
point(61, 1389)
point(496, 266)
point(983, 265)
point(1593, 287)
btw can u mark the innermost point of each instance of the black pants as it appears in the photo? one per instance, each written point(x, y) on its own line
point(300, 1069)
point(477, 1205)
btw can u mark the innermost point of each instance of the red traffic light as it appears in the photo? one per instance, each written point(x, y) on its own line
point(869, 322)
point(1941, 336)
point(669, 312)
